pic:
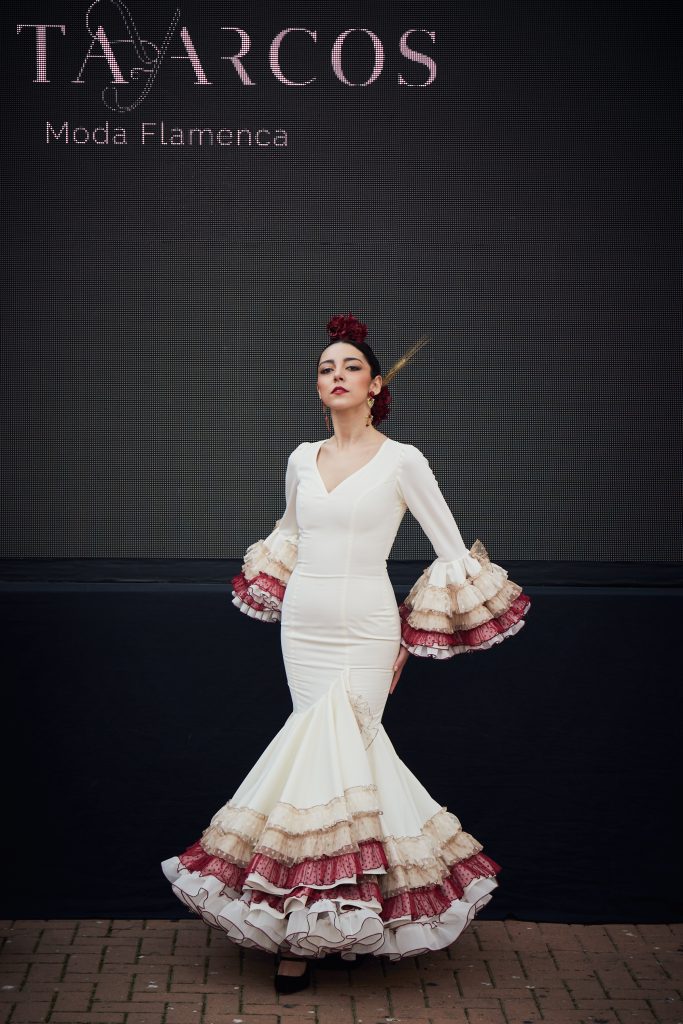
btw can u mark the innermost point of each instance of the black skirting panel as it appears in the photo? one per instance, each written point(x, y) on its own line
point(135, 706)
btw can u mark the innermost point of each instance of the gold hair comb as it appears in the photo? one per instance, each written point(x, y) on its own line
point(405, 358)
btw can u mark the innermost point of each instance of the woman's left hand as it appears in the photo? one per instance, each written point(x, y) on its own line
point(401, 659)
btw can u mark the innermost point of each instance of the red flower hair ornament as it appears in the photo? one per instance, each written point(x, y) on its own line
point(340, 327)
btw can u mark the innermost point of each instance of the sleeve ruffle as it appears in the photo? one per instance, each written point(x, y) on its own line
point(258, 589)
point(460, 606)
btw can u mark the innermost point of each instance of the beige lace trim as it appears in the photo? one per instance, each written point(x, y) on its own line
point(294, 833)
point(461, 605)
point(343, 837)
point(275, 555)
point(413, 861)
point(296, 820)
point(408, 870)
point(368, 721)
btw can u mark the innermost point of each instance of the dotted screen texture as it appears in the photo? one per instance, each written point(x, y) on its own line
point(164, 304)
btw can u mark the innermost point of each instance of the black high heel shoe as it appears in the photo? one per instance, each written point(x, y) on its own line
point(291, 982)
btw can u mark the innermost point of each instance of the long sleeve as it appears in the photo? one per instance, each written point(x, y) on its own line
point(462, 602)
point(258, 589)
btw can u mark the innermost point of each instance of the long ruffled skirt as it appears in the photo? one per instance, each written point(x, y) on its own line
point(331, 844)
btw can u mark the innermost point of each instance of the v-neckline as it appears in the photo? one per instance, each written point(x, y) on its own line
point(318, 446)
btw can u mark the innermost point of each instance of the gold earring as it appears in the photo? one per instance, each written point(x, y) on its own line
point(327, 418)
point(371, 401)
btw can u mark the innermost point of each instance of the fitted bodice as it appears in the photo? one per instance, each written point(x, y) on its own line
point(351, 529)
point(462, 601)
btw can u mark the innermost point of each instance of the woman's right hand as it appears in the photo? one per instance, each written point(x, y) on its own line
point(401, 659)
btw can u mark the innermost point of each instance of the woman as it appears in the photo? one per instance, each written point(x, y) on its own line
point(331, 845)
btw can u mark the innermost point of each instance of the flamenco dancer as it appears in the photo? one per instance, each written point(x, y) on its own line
point(331, 849)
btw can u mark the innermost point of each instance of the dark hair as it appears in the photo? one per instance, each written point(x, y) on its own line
point(353, 332)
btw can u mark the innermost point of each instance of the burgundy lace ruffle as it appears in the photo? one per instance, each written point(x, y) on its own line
point(429, 901)
point(434, 899)
point(304, 879)
point(322, 871)
point(195, 858)
point(470, 639)
point(264, 582)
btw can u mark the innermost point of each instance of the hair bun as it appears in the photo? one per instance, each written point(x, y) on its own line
point(341, 326)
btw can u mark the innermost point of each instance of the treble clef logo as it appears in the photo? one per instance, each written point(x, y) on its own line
point(148, 55)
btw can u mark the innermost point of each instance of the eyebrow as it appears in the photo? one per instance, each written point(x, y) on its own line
point(332, 360)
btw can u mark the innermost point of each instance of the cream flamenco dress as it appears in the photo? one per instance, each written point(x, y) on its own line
point(331, 844)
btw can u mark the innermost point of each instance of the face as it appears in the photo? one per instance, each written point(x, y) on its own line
point(342, 366)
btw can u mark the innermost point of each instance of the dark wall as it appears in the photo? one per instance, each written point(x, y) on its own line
point(137, 710)
point(164, 304)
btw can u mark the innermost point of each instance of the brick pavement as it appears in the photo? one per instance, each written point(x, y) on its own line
point(183, 972)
